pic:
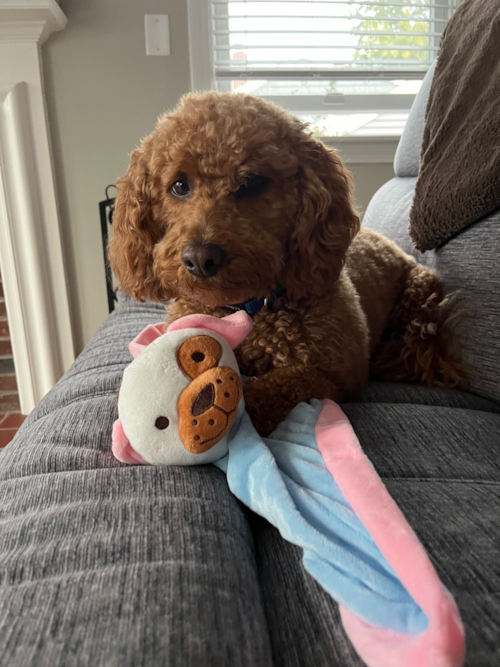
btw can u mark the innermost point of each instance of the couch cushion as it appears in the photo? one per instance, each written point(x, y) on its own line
point(459, 177)
point(441, 466)
point(107, 565)
point(415, 394)
point(407, 158)
point(467, 263)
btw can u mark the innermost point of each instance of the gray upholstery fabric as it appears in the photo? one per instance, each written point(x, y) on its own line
point(441, 466)
point(109, 565)
point(105, 565)
point(468, 263)
point(388, 392)
point(407, 158)
point(304, 622)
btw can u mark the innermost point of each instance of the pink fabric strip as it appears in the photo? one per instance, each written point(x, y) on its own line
point(443, 643)
point(234, 328)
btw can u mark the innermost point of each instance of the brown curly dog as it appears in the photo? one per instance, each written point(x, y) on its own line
point(230, 200)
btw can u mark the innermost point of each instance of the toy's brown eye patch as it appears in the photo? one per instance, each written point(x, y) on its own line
point(198, 354)
point(161, 423)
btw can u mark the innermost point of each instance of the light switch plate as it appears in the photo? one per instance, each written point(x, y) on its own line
point(157, 34)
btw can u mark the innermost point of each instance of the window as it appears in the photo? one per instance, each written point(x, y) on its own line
point(349, 68)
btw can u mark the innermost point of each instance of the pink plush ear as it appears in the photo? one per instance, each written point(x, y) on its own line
point(147, 336)
point(121, 448)
point(234, 328)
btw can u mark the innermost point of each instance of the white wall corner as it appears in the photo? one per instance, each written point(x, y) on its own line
point(31, 253)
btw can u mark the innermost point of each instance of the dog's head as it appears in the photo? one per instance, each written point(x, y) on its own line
point(228, 198)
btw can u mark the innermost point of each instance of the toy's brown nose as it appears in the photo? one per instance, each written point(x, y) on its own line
point(203, 261)
point(204, 400)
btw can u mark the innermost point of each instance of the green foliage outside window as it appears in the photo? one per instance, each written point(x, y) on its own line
point(386, 18)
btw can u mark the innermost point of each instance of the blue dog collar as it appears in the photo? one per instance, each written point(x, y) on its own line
point(253, 306)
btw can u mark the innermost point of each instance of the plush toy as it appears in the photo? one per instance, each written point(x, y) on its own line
point(181, 403)
point(182, 393)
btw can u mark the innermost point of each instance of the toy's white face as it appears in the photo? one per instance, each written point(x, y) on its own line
point(149, 396)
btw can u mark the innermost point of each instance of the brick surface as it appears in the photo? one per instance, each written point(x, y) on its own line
point(9, 402)
point(9, 399)
point(13, 421)
point(8, 383)
point(5, 348)
point(7, 366)
point(6, 436)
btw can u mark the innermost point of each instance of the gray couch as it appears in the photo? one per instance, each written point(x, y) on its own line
point(106, 565)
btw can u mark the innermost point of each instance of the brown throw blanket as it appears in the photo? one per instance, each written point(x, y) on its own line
point(459, 178)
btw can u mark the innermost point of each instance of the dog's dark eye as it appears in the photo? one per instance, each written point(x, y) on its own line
point(180, 188)
point(253, 185)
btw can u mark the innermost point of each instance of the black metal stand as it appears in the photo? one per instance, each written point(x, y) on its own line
point(106, 210)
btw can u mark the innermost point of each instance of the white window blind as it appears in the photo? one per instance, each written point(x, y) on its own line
point(348, 68)
point(325, 39)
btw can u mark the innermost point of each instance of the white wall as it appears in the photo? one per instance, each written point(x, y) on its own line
point(368, 178)
point(103, 95)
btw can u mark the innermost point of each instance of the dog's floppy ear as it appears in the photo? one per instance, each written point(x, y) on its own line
point(326, 222)
point(134, 232)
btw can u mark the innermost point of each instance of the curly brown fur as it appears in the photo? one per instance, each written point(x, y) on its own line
point(298, 233)
point(420, 343)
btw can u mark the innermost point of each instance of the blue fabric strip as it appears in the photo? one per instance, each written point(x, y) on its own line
point(284, 479)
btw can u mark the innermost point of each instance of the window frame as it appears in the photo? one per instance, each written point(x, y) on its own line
point(379, 148)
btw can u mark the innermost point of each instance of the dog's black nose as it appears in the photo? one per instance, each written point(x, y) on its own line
point(203, 261)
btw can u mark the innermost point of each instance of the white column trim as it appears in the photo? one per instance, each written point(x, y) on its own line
point(21, 31)
point(20, 19)
point(31, 252)
point(40, 341)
